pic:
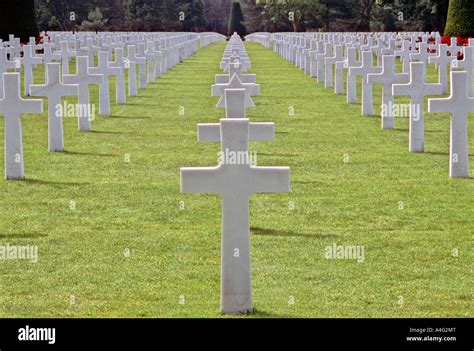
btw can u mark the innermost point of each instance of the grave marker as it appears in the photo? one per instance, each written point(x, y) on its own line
point(417, 89)
point(104, 70)
point(83, 79)
point(235, 183)
point(28, 61)
point(13, 106)
point(235, 108)
point(458, 104)
point(387, 77)
point(364, 70)
point(54, 90)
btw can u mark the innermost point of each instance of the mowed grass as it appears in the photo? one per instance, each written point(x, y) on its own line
point(135, 247)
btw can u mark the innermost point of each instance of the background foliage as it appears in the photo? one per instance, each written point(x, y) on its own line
point(260, 15)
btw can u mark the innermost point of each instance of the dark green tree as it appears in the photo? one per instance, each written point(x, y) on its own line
point(460, 18)
point(235, 20)
point(68, 14)
point(18, 18)
point(95, 21)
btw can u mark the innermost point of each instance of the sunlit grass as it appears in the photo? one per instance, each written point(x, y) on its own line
point(400, 206)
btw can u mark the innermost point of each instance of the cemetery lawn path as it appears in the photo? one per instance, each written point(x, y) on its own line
point(117, 239)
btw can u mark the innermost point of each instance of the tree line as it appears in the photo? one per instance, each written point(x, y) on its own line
point(259, 15)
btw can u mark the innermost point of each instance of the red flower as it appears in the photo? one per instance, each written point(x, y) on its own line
point(446, 40)
point(460, 41)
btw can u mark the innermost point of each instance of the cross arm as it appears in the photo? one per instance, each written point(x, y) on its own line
point(70, 79)
point(246, 78)
point(433, 89)
point(211, 132)
point(403, 89)
point(32, 106)
point(374, 78)
point(270, 180)
point(217, 89)
point(38, 90)
point(248, 101)
point(438, 105)
point(199, 180)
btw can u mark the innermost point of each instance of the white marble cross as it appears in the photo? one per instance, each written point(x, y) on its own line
point(459, 105)
point(467, 63)
point(378, 49)
point(364, 70)
point(54, 90)
point(104, 70)
point(28, 61)
point(66, 55)
point(131, 67)
point(422, 54)
point(133, 61)
point(119, 62)
point(329, 62)
point(5, 65)
point(161, 60)
point(318, 48)
point(90, 49)
point(387, 77)
point(404, 54)
point(83, 78)
point(453, 46)
point(236, 68)
point(417, 89)
point(236, 56)
point(235, 180)
point(12, 106)
point(139, 56)
point(48, 54)
point(235, 108)
point(235, 83)
point(351, 78)
point(442, 60)
point(151, 58)
point(320, 57)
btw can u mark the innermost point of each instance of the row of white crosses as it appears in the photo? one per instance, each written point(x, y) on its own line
point(235, 182)
point(161, 50)
point(326, 56)
point(59, 83)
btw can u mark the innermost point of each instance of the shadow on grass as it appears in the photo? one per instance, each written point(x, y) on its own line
point(274, 232)
point(22, 236)
point(130, 117)
point(304, 182)
point(110, 132)
point(47, 182)
point(78, 153)
point(277, 155)
point(264, 314)
point(442, 153)
point(437, 153)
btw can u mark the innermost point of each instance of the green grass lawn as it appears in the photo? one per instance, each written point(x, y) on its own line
point(130, 249)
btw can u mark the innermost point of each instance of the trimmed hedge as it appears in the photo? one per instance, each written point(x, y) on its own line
point(460, 20)
point(235, 20)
